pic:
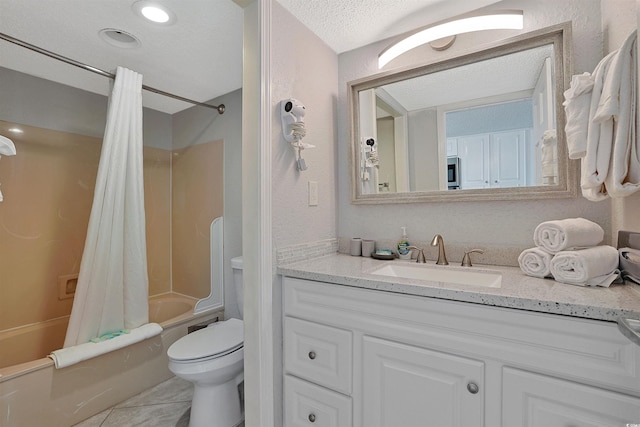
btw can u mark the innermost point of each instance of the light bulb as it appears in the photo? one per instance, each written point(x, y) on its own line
point(155, 14)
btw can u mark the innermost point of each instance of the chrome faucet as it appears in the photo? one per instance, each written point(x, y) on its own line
point(442, 256)
point(420, 259)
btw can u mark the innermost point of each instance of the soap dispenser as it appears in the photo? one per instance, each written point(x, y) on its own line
point(403, 245)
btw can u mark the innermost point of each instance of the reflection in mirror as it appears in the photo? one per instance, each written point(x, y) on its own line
point(483, 121)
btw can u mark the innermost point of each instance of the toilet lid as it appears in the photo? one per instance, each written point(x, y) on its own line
point(217, 338)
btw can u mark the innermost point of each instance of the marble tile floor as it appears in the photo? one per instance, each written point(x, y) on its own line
point(165, 405)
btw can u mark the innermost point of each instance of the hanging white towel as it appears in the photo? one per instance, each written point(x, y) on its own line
point(559, 235)
point(576, 106)
point(535, 262)
point(619, 107)
point(77, 353)
point(595, 163)
point(610, 165)
point(596, 266)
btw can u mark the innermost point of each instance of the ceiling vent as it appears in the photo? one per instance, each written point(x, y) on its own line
point(119, 38)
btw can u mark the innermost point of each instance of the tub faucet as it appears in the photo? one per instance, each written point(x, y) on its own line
point(442, 256)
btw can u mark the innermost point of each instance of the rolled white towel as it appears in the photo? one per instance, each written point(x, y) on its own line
point(596, 266)
point(559, 235)
point(77, 353)
point(535, 262)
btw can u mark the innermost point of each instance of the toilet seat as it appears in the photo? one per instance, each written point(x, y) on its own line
point(216, 340)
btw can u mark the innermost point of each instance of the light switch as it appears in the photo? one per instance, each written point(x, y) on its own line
point(313, 193)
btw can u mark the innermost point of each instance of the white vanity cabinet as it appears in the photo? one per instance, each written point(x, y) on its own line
point(367, 358)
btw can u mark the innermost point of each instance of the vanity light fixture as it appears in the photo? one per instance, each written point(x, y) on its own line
point(15, 130)
point(154, 12)
point(492, 20)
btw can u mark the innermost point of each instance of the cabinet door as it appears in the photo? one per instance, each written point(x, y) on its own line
point(508, 159)
point(452, 147)
point(534, 400)
point(411, 386)
point(306, 404)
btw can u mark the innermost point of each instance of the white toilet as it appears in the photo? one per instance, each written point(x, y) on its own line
point(212, 359)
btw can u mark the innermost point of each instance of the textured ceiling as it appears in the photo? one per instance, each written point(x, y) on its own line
point(348, 24)
point(200, 55)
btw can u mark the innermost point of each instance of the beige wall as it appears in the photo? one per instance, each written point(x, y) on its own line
point(157, 207)
point(197, 199)
point(42, 233)
point(199, 125)
point(48, 189)
point(48, 192)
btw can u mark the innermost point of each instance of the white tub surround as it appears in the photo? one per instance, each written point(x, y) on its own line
point(516, 290)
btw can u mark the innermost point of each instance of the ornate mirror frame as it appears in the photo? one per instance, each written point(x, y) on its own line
point(558, 35)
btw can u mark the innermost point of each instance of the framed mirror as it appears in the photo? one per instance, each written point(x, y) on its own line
point(486, 125)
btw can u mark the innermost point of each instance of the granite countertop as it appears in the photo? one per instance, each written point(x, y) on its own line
point(517, 290)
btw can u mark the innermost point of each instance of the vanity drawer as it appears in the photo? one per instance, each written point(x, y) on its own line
point(306, 404)
point(318, 353)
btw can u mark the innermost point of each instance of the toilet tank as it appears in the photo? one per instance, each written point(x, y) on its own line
point(236, 266)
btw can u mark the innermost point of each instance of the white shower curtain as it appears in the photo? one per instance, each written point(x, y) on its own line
point(113, 287)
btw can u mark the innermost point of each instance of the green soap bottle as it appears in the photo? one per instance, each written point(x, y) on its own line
point(403, 245)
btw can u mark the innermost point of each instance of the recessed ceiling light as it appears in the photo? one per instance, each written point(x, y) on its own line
point(154, 12)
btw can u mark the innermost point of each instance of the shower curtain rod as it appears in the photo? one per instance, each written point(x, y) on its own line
point(75, 63)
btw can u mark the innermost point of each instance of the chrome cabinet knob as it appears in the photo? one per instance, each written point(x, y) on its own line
point(312, 418)
point(473, 388)
point(312, 355)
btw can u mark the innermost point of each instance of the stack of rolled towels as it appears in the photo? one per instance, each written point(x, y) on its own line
point(568, 251)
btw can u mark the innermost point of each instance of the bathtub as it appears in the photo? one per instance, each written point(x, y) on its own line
point(32, 390)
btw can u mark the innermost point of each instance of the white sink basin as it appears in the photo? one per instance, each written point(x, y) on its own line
point(462, 276)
